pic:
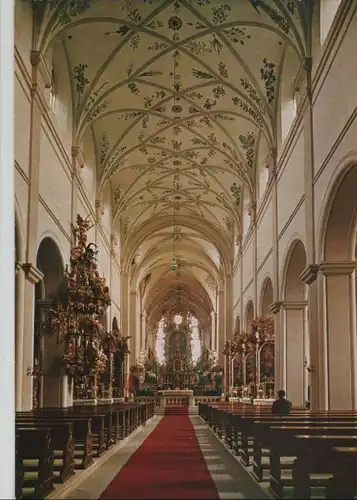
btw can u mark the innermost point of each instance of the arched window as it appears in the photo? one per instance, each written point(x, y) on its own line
point(160, 342)
point(195, 340)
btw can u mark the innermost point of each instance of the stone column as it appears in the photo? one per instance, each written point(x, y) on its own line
point(339, 327)
point(133, 329)
point(143, 330)
point(213, 331)
point(295, 351)
point(33, 276)
point(221, 327)
point(279, 370)
point(7, 239)
point(124, 306)
point(279, 346)
point(316, 339)
point(309, 275)
point(19, 345)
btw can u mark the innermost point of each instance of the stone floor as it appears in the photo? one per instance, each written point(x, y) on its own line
point(231, 479)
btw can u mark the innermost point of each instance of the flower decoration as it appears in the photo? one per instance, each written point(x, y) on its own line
point(175, 23)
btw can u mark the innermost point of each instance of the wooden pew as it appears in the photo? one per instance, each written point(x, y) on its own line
point(19, 470)
point(229, 421)
point(344, 481)
point(35, 444)
point(262, 438)
point(62, 442)
point(82, 431)
point(315, 453)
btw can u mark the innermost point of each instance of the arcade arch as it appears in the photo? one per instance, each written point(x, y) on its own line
point(338, 292)
point(47, 373)
point(295, 338)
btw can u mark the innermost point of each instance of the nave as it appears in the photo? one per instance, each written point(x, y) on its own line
point(173, 457)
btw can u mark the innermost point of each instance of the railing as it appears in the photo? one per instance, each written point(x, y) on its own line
point(178, 400)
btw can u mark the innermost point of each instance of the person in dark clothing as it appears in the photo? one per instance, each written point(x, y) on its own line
point(281, 406)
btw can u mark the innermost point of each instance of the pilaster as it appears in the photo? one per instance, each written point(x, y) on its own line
point(296, 351)
point(32, 277)
point(77, 164)
point(339, 354)
point(279, 345)
point(271, 164)
point(134, 328)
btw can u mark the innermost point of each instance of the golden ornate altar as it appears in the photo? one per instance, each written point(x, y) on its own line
point(178, 373)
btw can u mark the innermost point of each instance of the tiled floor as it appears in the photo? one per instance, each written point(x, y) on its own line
point(232, 480)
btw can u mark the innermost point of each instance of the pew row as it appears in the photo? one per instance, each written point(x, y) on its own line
point(52, 443)
point(296, 455)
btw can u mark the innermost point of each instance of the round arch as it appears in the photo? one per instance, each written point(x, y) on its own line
point(47, 390)
point(294, 342)
point(337, 286)
point(293, 288)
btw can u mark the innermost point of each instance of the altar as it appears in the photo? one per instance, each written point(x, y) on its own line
point(176, 397)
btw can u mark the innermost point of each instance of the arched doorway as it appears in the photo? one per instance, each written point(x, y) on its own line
point(296, 334)
point(338, 294)
point(47, 373)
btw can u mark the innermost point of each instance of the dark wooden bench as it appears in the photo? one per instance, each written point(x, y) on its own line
point(82, 431)
point(315, 454)
point(34, 447)
point(62, 443)
point(344, 480)
point(262, 438)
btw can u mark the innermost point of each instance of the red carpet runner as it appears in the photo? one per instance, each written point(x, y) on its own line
point(168, 465)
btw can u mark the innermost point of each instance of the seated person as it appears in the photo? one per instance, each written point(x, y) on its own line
point(281, 406)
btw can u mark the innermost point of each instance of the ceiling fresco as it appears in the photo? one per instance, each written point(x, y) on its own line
point(180, 98)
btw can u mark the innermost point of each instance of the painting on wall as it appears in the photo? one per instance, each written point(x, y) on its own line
point(178, 344)
point(267, 361)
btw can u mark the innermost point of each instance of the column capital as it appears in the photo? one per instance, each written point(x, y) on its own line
point(294, 304)
point(32, 274)
point(99, 208)
point(274, 308)
point(309, 274)
point(114, 239)
point(338, 268)
point(77, 157)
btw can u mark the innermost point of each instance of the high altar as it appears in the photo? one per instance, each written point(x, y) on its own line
point(178, 371)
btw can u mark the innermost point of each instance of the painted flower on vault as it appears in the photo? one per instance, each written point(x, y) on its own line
point(175, 23)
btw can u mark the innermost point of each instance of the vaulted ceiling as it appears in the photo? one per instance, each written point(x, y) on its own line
point(180, 99)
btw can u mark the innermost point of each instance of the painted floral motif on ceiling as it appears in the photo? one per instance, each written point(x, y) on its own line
point(179, 95)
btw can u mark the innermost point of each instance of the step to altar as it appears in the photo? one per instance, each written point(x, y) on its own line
point(176, 410)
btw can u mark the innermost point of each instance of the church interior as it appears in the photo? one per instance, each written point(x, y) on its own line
point(181, 193)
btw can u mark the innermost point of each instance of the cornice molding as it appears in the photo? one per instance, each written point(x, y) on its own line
point(309, 274)
point(274, 308)
point(337, 268)
point(296, 305)
point(32, 274)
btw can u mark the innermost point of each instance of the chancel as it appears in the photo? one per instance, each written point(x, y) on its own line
point(178, 205)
